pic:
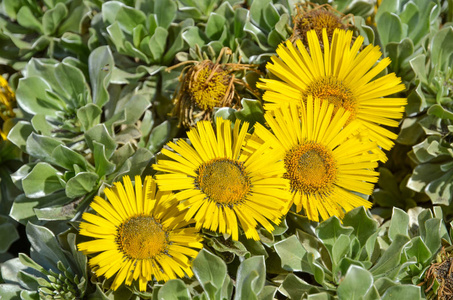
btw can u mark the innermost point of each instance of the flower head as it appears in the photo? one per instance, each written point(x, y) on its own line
point(324, 163)
point(341, 75)
point(139, 234)
point(220, 184)
point(206, 85)
point(7, 103)
point(315, 17)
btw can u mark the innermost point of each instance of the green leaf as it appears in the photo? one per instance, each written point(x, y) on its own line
point(434, 234)
point(19, 133)
point(165, 12)
point(390, 259)
point(67, 158)
point(72, 83)
point(215, 26)
point(100, 134)
point(419, 250)
point(22, 209)
point(41, 146)
point(330, 230)
point(240, 17)
point(193, 36)
point(390, 28)
point(174, 290)
point(292, 254)
point(161, 134)
point(364, 226)
point(440, 112)
point(295, 288)
point(26, 19)
point(103, 165)
point(32, 97)
point(81, 184)
point(252, 111)
point(340, 248)
point(8, 232)
point(210, 271)
point(53, 17)
point(267, 293)
point(271, 16)
point(257, 11)
point(251, 277)
point(42, 180)
point(399, 223)
point(157, 43)
point(43, 241)
point(441, 47)
point(10, 291)
point(355, 284)
point(89, 116)
point(403, 292)
point(127, 17)
point(100, 66)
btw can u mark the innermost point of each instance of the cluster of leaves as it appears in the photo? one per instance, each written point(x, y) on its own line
point(94, 97)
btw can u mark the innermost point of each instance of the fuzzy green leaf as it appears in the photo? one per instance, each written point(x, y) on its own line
point(330, 230)
point(42, 180)
point(292, 254)
point(390, 259)
point(210, 271)
point(53, 17)
point(100, 134)
point(44, 242)
point(165, 12)
point(355, 284)
point(19, 134)
point(100, 64)
point(251, 277)
point(390, 28)
point(364, 226)
point(26, 18)
point(89, 116)
point(41, 146)
point(399, 223)
point(257, 11)
point(67, 158)
point(442, 47)
point(31, 95)
point(81, 184)
point(403, 292)
point(8, 232)
point(174, 289)
point(215, 26)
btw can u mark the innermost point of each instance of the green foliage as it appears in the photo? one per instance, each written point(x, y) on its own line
point(55, 269)
point(359, 259)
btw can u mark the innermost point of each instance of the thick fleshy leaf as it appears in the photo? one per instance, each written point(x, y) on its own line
point(174, 290)
point(210, 271)
point(355, 284)
point(101, 65)
point(251, 277)
point(43, 180)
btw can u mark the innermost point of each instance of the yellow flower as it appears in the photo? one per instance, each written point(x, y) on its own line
point(324, 164)
point(139, 234)
point(7, 103)
point(342, 75)
point(220, 185)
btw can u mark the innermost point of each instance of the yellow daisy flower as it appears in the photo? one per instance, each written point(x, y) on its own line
point(324, 164)
point(139, 234)
point(342, 75)
point(7, 103)
point(220, 185)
